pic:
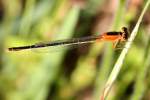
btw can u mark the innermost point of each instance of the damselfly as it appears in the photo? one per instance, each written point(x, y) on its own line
point(107, 36)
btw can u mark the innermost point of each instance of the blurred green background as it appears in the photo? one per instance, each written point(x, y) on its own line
point(74, 74)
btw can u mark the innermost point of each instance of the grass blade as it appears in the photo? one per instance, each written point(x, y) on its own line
point(121, 58)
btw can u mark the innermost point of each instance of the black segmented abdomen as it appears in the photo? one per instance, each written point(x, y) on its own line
point(57, 43)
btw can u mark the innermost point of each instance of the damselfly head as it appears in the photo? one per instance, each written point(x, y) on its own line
point(125, 33)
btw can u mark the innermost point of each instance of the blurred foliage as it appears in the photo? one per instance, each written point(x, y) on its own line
point(77, 74)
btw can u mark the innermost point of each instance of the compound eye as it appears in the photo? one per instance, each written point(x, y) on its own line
point(125, 31)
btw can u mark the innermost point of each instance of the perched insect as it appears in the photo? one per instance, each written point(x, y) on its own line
point(114, 37)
